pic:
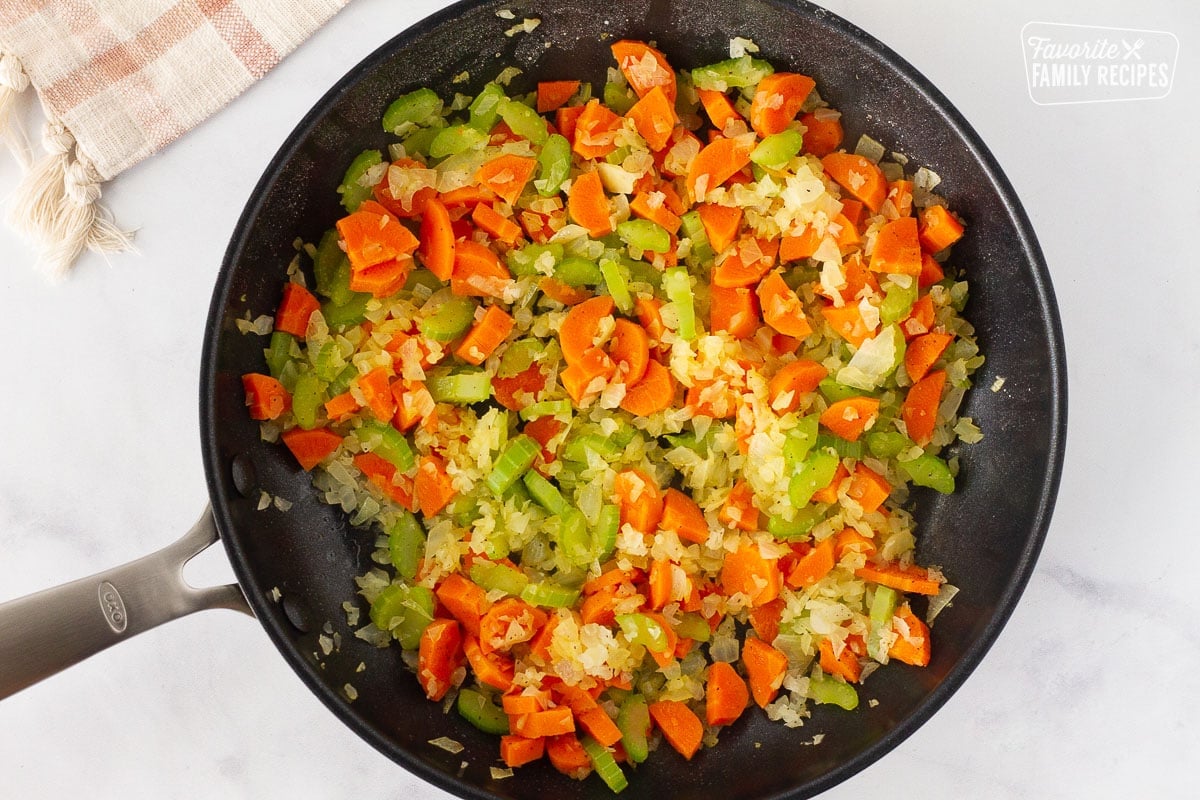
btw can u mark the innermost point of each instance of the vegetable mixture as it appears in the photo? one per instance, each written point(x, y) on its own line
point(633, 388)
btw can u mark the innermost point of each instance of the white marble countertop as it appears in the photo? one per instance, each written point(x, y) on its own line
point(1092, 690)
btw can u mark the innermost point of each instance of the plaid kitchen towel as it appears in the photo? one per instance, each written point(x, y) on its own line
point(119, 80)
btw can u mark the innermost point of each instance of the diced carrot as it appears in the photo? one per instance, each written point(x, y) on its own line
point(382, 280)
point(588, 205)
point(721, 224)
point(433, 485)
point(466, 601)
point(438, 655)
point(478, 272)
point(542, 430)
point(467, 196)
point(900, 192)
point(509, 622)
point(850, 540)
point(913, 645)
point(498, 226)
point(568, 756)
point(813, 565)
point(931, 272)
point(660, 583)
point(653, 393)
point(297, 305)
point(829, 494)
point(311, 447)
point(565, 119)
point(551, 95)
point(600, 726)
point(648, 313)
point(680, 726)
point(734, 311)
point(766, 668)
point(920, 319)
point(515, 392)
point(897, 250)
point(748, 571)
point(850, 417)
point(520, 702)
point(551, 722)
point(747, 264)
point(912, 579)
point(599, 607)
point(265, 397)
point(656, 211)
point(719, 161)
point(491, 669)
point(919, 411)
point(383, 476)
point(923, 351)
point(777, 100)
point(704, 401)
point(377, 391)
point(682, 515)
point(858, 176)
point(726, 695)
point(595, 131)
point(517, 751)
point(846, 235)
point(611, 578)
point(939, 229)
point(654, 116)
point(739, 510)
point(848, 323)
point(845, 664)
point(719, 108)
point(341, 407)
point(629, 349)
point(486, 335)
point(373, 236)
point(539, 646)
point(506, 175)
point(560, 292)
point(408, 206)
point(852, 210)
point(579, 377)
point(868, 488)
point(765, 618)
point(640, 500)
point(644, 67)
point(437, 240)
point(782, 308)
point(795, 246)
point(792, 382)
point(822, 135)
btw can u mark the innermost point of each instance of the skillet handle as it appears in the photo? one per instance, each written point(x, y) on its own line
point(49, 631)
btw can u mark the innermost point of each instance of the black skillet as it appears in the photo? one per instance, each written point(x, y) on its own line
point(297, 568)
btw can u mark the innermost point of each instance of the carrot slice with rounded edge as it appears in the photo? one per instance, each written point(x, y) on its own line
point(382, 280)
point(787, 387)
point(506, 175)
point(748, 571)
point(682, 515)
point(640, 501)
point(437, 240)
point(850, 540)
point(297, 305)
point(850, 417)
point(515, 392)
point(813, 565)
point(595, 131)
point(920, 319)
point(905, 579)
point(630, 346)
point(565, 120)
point(491, 669)
point(498, 226)
point(653, 393)
point(588, 205)
point(719, 108)
point(721, 224)
point(551, 722)
point(265, 396)
point(478, 272)
point(438, 655)
point(577, 333)
point(719, 161)
point(655, 118)
point(746, 265)
point(781, 307)
point(919, 411)
point(726, 695)
point(660, 583)
point(551, 95)
point(858, 176)
point(560, 292)
point(644, 67)
point(822, 135)
point(643, 206)
point(923, 351)
point(777, 100)
point(577, 379)
point(568, 756)
point(310, 447)
point(649, 315)
point(680, 726)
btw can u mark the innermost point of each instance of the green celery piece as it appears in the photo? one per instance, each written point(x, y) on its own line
point(546, 408)
point(606, 766)
point(545, 493)
point(387, 443)
point(464, 510)
point(887, 444)
point(328, 362)
point(693, 626)
point(338, 287)
point(457, 139)
point(554, 165)
point(577, 446)
point(574, 538)
point(278, 352)
point(617, 287)
point(425, 278)
point(326, 262)
point(461, 387)
point(485, 108)
point(518, 494)
point(493, 576)
point(618, 156)
point(416, 108)
point(353, 192)
point(898, 302)
point(549, 595)
point(522, 262)
point(289, 374)
point(643, 630)
point(678, 287)
point(642, 234)
point(734, 73)
point(406, 544)
point(815, 474)
point(693, 229)
point(883, 608)
point(642, 272)
point(343, 380)
point(799, 526)
point(633, 719)
point(778, 148)
point(831, 690)
point(405, 610)
point(419, 141)
point(347, 315)
point(308, 396)
point(844, 448)
point(450, 320)
point(604, 534)
point(930, 471)
point(479, 710)
point(834, 391)
point(619, 97)
point(519, 356)
point(518, 456)
point(578, 271)
point(523, 121)
point(801, 439)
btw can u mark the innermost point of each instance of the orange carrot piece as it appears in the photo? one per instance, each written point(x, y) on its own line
point(858, 176)
point(648, 313)
point(722, 405)
point(734, 311)
point(498, 226)
point(578, 377)
point(777, 100)
point(655, 118)
point(813, 565)
point(466, 601)
point(600, 726)
point(629, 349)
point(491, 669)
point(787, 387)
point(539, 646)
point(542, 430)
point(846, 664)
point(653, 393)
point(311, 447)
point(373, 236)
point(478, 272)
point(680, 726)
point(595, 131)
point(506, 175)
point(377, 391)
point(920, 319)
point(433, 485)
point(640, 500)
point(850, 540)
point(746, 265)
point(912, 579)
point(682, 515)
point(923, 351)
point(588, 205)
point(939, 229)
point(719, 108)
point(795, 246)
point(919, 411)
point(746, 570)
point(382, 280)
point(913, 645)
point(644, 68)
point(515, 392)
point(719, 161)
point(829, 494)
point(765, 619)
point(486, 335)
point(517, 751)
point(766, 668)
point(560, 292)
point(438, 655)
point(852, 210)
point(850, 417)
point(509, 622)
point(265, 397)
point(551, 722)
point(552, 95)
point(822, 135)
point(847, 237)
point(599, 608)
point(565, 119)
point(868, 488)
point(437, 240)
point(518, 704)
point(643, 206)
point(611, 578)
point(721, 224)
point(660, 583)
point(739, 510)
point(577, 333)
point(897, 250)
point(382, 475)
point(726, 695)
point(467, 196)
point(900, 192)
point(568, 756)
point(931, 272)
point(847, 322)
point(781, 307)
point(297, 305)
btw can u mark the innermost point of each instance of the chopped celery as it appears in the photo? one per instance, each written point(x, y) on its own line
point(523, 121)
point(353, 192)
point(387, 443)
point(350, 313)
point(844, 448)
point(875, 360)
point(898, 302)
point(801, 439)
point(326, 261)
point(415, 108)
point(479, 710)
point(574, 539)
point(604, 534)
point(423, 278)
point(644, 630)
point(419, 141)
point(450, 320)
point(460, 387)
point(526, 260)
point(930, 471)
point(633, 719)
point(618, 156)
point(693, 626)
point(327, 361)
point(518, 494)
point(546, 408)
point(405, 610)
point(278, 352)
point(515, 461)
point(337, 286)
point(778, 148)
point(307, 399)
point(606, 766)
point(577, 447)
point(545, 493)
point(799, 526)
point(642, 234)
point(887, 444)
point(834, 391)
point(642, 272)
point(550, 595)
point(693, 229)
point(831, 690)
point(457, 139)
point(554, 165)
point(519, 356)
point(289, 374)
point(617, 287)
point(619, 97)
point(485, 108)
point(815, 474)
point(406, 544)
point(678, 287)
point(883, 608)
point(464, 510)
point(734, 73)
point(578, 271)
point(343, 380)
point(494, 576)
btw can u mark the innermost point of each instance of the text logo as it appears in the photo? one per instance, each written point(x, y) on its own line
point(113, 607)
point(1090, 64)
